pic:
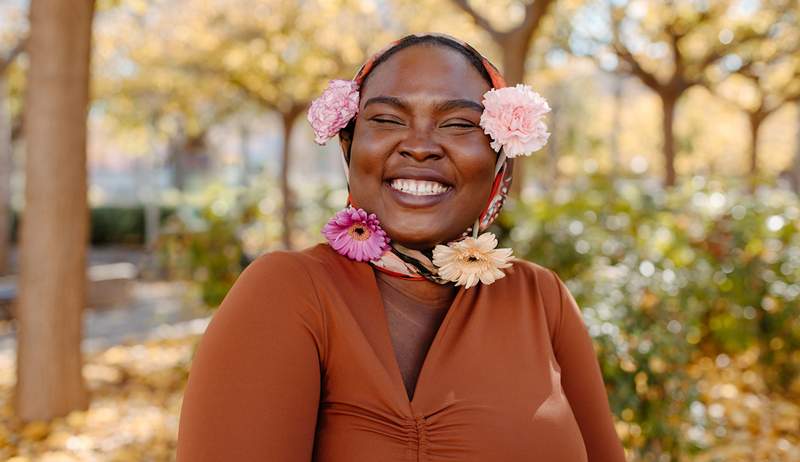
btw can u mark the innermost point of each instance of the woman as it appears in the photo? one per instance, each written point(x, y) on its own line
point(410, 337)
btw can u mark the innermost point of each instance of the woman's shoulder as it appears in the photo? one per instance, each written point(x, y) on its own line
point(276, 284)
point(530, 274)
point(290, 264)
point(539, 285)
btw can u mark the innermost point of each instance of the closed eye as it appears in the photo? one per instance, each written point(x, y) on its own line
point(386, 121)
point(458, 123)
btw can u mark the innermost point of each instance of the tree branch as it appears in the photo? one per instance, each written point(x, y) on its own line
point(719, 52)
point(479, 20)
point(622, 52)
point(534, 12)
point(636, 69)
point(258, 97)
point(675, 37)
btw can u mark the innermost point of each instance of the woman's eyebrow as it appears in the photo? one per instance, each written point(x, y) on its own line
point(459, 104)
point(390, 100)
point(439, 107)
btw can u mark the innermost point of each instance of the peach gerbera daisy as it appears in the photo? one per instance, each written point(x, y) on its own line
point(472, 260)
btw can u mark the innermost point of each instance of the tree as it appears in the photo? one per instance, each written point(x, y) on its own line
point(237, 55)
point(54, 229)
point(794, 169)
point(146, 96)
point(280, 56)
point(764, 76)
point(668, 46)
point(514, 45)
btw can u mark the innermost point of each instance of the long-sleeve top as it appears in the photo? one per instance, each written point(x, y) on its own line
point(297, 364)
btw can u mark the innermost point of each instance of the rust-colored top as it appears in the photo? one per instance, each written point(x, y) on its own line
point(298, 365)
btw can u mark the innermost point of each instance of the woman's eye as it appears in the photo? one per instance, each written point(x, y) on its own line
point(459, 125)
point(386, 121)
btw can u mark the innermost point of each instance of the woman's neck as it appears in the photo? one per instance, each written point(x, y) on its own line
point(437, 296)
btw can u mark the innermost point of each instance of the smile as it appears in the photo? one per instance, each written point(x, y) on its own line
point(418, 187)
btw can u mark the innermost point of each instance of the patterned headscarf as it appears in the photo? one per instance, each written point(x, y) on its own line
point(415, 264)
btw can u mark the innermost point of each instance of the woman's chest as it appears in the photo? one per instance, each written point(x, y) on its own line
point(488, 389)
point(412, 327)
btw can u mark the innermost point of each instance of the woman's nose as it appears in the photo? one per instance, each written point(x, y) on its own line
point(420, 145)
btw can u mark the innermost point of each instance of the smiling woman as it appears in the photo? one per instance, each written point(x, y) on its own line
point(408, 336)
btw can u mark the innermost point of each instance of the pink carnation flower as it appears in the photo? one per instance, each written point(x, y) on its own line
point(356, 235)
point(513, 118)
point(333, 109)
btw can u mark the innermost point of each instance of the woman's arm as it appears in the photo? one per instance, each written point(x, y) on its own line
point(254, 383)
point(583, 382)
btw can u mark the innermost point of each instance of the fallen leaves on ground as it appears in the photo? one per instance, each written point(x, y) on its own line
point(136, 394)
point(742, 420)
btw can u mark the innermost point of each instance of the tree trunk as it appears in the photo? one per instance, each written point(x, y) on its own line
point(755, 125)
point(244, 152)
point(176, 155)
point(55, 223)
point(553, 142)
point(152, 197)
point(616, 124)
point(6, 167)
point(668, 103)
point(794, 169)
point(514, 53)
point(287, 211)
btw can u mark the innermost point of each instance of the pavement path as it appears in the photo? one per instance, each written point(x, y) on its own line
point(156, 309)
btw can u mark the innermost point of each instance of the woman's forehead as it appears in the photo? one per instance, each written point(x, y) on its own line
point(426, 70)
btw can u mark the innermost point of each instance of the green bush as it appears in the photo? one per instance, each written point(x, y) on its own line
point(203, 245)
point(216, 234)
point(664, 278)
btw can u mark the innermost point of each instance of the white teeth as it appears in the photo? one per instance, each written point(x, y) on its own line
point(418, 187)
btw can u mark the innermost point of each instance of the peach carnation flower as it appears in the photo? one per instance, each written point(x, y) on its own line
point(471, 260)
point(333, 109)
point(513, 118)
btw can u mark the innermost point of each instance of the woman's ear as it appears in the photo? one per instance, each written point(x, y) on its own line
point(346, 141)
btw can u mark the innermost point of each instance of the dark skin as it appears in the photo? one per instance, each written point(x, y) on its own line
point(418, 118)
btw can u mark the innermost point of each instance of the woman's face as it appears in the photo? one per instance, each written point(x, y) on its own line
point(419, 158)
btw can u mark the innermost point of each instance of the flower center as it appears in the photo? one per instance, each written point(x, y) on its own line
point(359, 232)
point(472, 256)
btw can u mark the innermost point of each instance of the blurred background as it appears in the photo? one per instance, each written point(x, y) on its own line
point(151, 149)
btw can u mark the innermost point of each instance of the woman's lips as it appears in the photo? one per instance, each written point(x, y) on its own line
point(417, 193)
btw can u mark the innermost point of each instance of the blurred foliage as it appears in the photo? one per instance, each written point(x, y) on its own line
point(665, 279)
point(187, 65)
point(218, 232)
point(202, 244)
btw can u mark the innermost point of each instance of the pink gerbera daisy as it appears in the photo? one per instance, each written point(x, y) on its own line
point(357, 235)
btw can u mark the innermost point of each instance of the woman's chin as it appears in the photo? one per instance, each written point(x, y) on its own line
point(421, 240)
